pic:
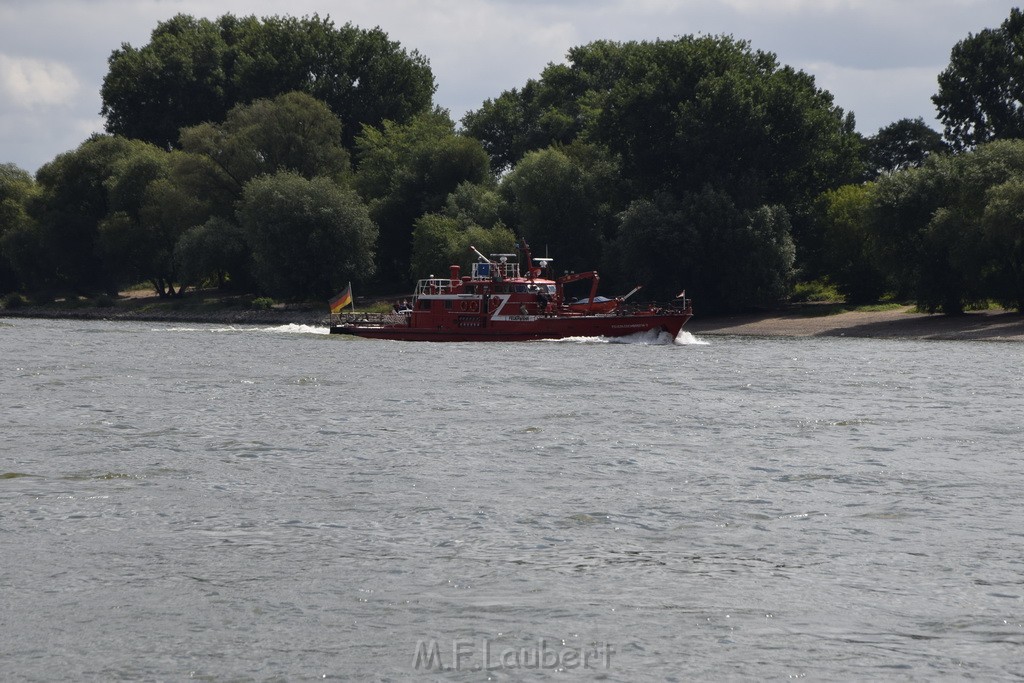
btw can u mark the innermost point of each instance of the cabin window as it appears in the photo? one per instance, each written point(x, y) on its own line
point(447, 304)
point(470, 289)
point(424, 304)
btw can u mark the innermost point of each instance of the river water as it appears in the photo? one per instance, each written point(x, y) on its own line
point(280, 504)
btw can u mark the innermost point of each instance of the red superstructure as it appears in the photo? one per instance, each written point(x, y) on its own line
point(497, 302)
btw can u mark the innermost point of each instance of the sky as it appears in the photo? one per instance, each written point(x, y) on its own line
point(879, 58)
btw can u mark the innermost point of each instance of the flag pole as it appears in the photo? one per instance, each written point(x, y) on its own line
point(352, 295)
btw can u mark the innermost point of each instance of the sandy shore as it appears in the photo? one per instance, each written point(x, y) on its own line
point(902, 322)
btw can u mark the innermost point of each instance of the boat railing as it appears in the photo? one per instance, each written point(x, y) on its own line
point(433, 285)
point(495, 270)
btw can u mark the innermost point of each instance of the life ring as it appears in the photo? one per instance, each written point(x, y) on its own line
point(495, 303)
point(463, 306)
point(474, 306)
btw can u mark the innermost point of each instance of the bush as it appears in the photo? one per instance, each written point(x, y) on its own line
point(104, 301)
point(262, 303)
point(14, 301)
point(821, 291)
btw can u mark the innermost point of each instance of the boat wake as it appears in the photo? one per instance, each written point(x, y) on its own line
point(290, 328)
point(648, 338)
point(684, 338)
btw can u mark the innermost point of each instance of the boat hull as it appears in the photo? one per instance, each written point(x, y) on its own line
point(540, 327)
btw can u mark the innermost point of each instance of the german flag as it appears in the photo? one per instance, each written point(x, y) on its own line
point(342, 300)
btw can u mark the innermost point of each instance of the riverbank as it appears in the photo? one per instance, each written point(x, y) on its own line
point(200, 307)
point(902, 322)
point(797, 321)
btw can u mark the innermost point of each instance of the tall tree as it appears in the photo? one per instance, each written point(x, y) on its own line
point(195, 70)
point(563, 200)
point(681, 114)
point(149, 211)
point(17, 189)
point(74, 199)
point(1003, 225)
point(981, 92)
point(308, 237)
point(729, 258)
point(937, 233)
point(406, 171)
point(216, 251)
point(849, 252)
point(901, 145)
point(290, 132)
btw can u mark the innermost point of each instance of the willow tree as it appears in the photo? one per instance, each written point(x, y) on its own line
point(195, 70)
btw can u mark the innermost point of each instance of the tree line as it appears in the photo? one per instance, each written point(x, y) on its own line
point(286, 157)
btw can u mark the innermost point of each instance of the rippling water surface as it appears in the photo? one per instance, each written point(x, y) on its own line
point(252, 504)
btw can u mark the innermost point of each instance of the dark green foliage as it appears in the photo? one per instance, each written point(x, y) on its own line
point(17, 190)
point(195, 70)
point(901, 145)
point(1003, 226)
point(950, 231)
point(104, 301)
point(729, 258)
point(407, 171)
point(850, 253)
point(308, 237)
point(14, 301)
point(148, 212)
point(981, 92)
point(215, 252)
point(562, 204)
point(702, 135)
point(440, 241)
point(74, 199)
point(682, 114)
point(291, 132)
point(262, 303)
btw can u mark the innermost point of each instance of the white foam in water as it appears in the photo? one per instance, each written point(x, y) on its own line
point(294, 328)
point(650, 338)
point(686, 339)
point(290, 328)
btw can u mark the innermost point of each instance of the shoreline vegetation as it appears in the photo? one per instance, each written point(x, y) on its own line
point(804, 320)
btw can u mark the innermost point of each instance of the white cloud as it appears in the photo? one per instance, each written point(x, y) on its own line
point(878, 57)
point(29, 83)
point(879, 97)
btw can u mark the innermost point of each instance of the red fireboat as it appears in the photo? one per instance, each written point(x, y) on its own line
point(499, 303)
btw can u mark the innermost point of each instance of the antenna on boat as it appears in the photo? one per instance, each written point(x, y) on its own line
point(481, 256)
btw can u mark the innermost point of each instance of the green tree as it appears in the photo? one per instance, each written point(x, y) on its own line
point(407, 171)
point(471, 217)
point(1003, 225)
point(930, 228)
point(17, 190)
point(849, 251)
point(729, 258)
point(216, 251)
point(981, 92)
point(308, 237)
point(901, 145)
point(291, 132)
point(74, 199)
point(195, 70)
point(148, 213)
point(479, 204)
point(561, 202)
point(682, 114)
